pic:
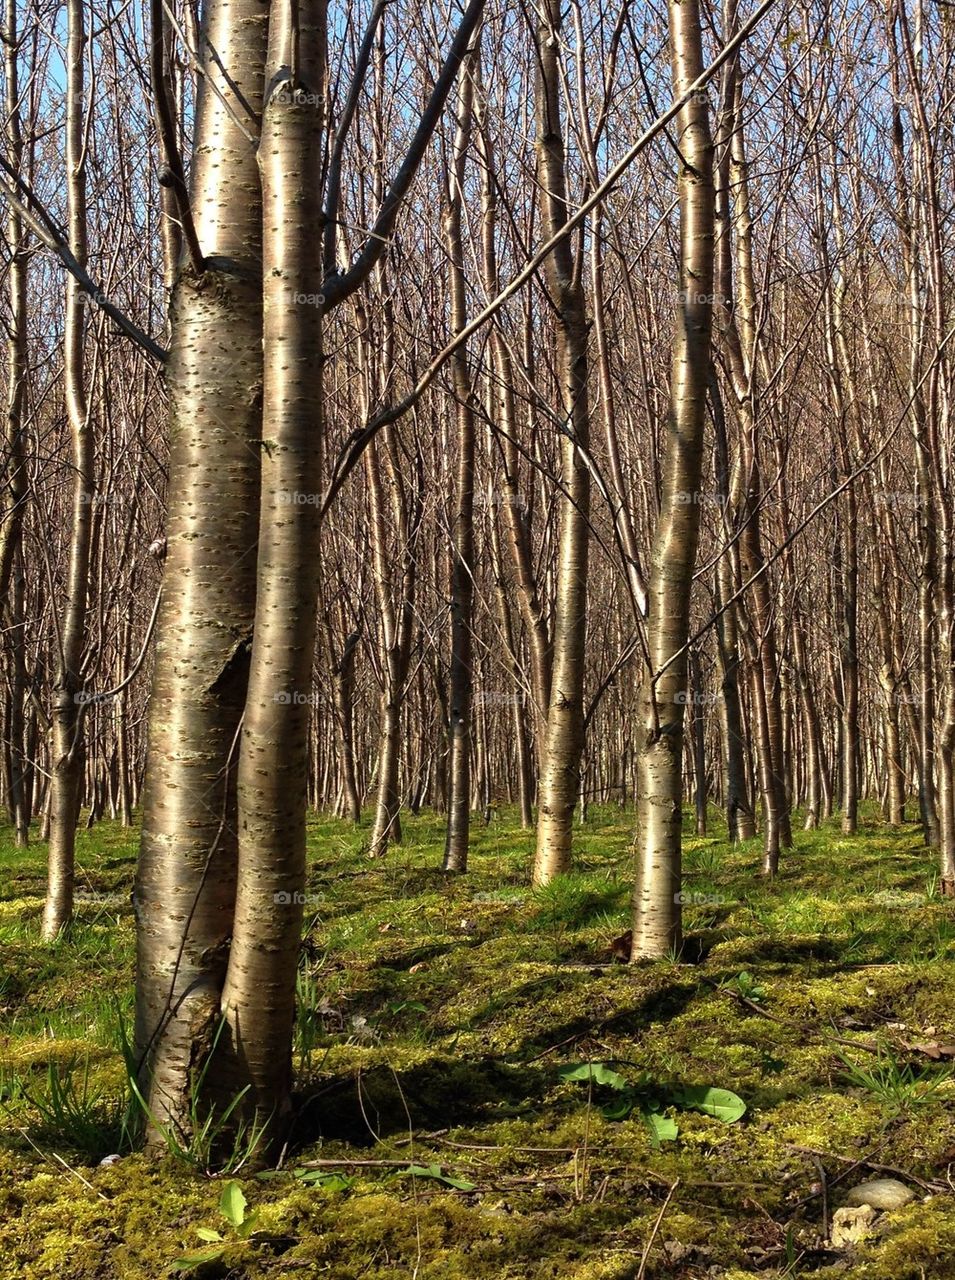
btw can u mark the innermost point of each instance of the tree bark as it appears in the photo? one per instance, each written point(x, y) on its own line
point(462, 549)
point(559, 785)
point(185, 884)
point(258, 997)
point(67, 732)
point(657, 911)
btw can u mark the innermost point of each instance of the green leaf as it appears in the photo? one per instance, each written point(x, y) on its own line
point(621, 1107)
point(598, 1072)
point(324, 1178)
point(662, 1128)
point(721, 1104)
point(434, 1171)
point(232, 1204)
point(207, 1234)
point(191, 1261)
point(245, 1229)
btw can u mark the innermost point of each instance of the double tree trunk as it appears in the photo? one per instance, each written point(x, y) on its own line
point(509, 505)
point(185, 884)
point(740, 345)
point(67, 718)
point(559, 785)
point(740, 823)
point(13, 496)
point(657, 899)
point(343, 685)
point(258, 998)
point(462, 540)
point(395, 593)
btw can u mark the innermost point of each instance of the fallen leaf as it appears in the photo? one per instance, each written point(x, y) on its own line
point(932, 1049)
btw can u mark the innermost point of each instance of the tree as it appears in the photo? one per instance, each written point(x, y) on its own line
point(657, 899)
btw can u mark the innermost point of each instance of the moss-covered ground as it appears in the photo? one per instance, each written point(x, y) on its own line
point(436, 1017)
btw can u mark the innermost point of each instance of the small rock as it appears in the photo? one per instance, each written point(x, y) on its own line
point(108, 1160)
point(883, 1193)
point(849, 1226)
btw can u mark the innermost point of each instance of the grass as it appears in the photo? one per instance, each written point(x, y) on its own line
point(435, 1017)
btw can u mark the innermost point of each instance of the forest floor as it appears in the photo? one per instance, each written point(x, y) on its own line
point(442, 1017)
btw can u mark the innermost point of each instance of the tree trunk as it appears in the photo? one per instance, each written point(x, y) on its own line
point(185, 884)
point(258, 997)
point(657, 912)
point(559, 785)
point(67, 734)
point(462, 550)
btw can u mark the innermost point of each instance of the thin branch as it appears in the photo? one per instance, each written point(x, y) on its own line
point(360, 439)
point(45, 230)
point(334, 187)
point(166, 125)
point(337, 287)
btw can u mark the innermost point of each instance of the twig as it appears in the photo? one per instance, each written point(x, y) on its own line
point(51, 1156)
point(656, 1228)
point(824, 1192)
point(355, 1164)
point(736, 995)
point(864, 1162)
point(560, 1044)
point(478, 1146)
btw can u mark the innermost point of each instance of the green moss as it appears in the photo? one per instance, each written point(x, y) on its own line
point(441, 1011)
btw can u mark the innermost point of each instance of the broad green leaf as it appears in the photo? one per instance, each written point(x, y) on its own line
point(662, 1128)
point(620, 1108)
point(598, 1072)
point(207, 1234)
point(232, 1204)
point(721, 1104)
point(434, 1171)
point(190, 1261)
point(245, 1229)
point(324, 1178)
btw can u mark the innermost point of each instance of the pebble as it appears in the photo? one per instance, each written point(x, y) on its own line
point(883, 1193)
